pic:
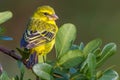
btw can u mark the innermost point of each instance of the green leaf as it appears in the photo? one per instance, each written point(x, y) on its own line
point(91, 46)
point(97, 52)
point(84, 67)
point(60, 74)
point(78, 76)
point(22, 70)
point(16, 78)
point(91, 60)
point(4, 76)
point(73, 47)
point(43, 70)
point(24, 53)
point(72, 70)
point(71, 58)
point(64, 38)
point(109, 75)
point(2, 30)
point(21, 67)
point(107, 51)
point(4, 16)
point(81, 47)
point(99, 74)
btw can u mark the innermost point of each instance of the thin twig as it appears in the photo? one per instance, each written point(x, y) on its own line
point(11, 53)
point(16, 56)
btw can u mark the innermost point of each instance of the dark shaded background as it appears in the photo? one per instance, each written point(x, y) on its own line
point(93, 18)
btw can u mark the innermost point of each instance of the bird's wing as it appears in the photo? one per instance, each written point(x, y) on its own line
point(32, 39)
point(38, 33)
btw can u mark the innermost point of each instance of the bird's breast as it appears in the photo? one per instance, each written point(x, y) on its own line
point(44, 48)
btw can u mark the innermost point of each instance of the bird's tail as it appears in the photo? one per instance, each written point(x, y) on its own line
point(33, 59)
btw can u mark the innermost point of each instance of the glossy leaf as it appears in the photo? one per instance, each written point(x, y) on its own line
point(73, 47)
point(22, 70)
point(81, 47)
point(84, 66)
point(21, 67)
point(4, 16)
point(64, 38)
point(72, 70)
point(109, 75)
point(91, 61)
point(2, 30)
point(107, 51)
point(99, 74)
point(71, 59)
point(60, 74)
point(78, 76)
point(43, 70)
point(5, 38)
point(16, 77)
point(4, 76)
point(24, 53)
point(91, 46)
point(97, 52)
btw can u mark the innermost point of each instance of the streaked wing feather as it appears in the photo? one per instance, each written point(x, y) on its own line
point(36, 38)
point(38, 35)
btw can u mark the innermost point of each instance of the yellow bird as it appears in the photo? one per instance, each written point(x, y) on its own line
point(39, 37)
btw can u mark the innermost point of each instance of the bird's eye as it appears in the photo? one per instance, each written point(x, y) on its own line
point(46, 13)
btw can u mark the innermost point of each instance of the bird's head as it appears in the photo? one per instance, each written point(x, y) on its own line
point(45, 13)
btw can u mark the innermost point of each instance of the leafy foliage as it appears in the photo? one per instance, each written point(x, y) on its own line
point(75, 62)
point(71, 58)
point(43, 70)
point(4, 16)
point(92, 46)
point(4, 76)
point(109, 75)
point(79, 62)
point(64, 39)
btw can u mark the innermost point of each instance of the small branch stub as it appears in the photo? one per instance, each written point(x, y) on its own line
point(1, 69)
point(11, 53)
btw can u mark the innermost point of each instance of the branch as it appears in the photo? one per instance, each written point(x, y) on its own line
point(14, 55)
point(10, 53)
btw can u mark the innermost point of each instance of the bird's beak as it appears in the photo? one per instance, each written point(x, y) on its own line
point(53, 17)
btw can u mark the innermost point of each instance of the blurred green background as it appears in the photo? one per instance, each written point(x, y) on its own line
point(93, 18)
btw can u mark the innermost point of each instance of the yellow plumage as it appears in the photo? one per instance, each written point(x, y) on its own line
point(39, 36)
